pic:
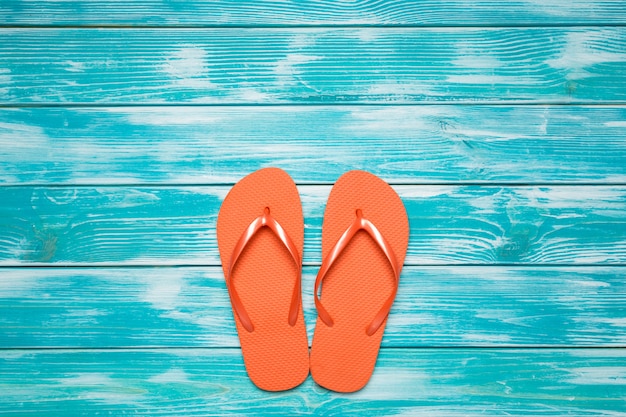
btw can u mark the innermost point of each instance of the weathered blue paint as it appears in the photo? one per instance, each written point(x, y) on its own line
point(315, 144)
point(120, 225)
point(407, 382)
point(501, 124)
point(445, 306)
point(313, 65)
point(259, 13)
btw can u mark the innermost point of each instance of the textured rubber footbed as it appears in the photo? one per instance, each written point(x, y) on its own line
point(355, 288)
point(275, 354)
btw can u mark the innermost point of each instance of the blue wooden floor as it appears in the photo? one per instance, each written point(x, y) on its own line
point(502, 125)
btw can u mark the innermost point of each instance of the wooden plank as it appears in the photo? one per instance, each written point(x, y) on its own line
point(319, 12)
point(313, 65)
point(436, 306)
point(316, 144)
point(553, 225)
point(406, 382)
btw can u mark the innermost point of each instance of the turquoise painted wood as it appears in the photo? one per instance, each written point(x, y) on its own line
point(315, 144)
point(450, 306)
point(260, 13)
point(502, 125)
point(313, 65)
point(407, 382)
point(554, 225)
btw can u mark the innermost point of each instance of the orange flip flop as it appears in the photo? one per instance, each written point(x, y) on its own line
point(260, 234)
point(364, 241)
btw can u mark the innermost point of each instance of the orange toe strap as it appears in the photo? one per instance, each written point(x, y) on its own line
point(266, 220)
point(360, 223)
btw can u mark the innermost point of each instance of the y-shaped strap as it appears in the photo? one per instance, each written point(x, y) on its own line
point(266, 220)
point(360, 223)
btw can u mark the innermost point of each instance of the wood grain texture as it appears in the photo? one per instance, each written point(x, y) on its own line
point(313, 65)
point(310, 12)
point(123, 125)
point(415, 382)
point(316, 144)
point(553, 225)
point(436, 306)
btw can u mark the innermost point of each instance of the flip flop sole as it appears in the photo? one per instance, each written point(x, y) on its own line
point(275, 353)
point(358, 283)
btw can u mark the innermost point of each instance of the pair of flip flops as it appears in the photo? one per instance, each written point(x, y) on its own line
point(260, 231)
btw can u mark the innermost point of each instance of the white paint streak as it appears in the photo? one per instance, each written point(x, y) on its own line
point(130, 198)
point(589, 284)
point(560, 8)
point(486, 79)
point(301, 40)
point(61, 197)
point(16, 355)
point(475, 59)
point(289, 69)
point(174, 375)
point(479, 67)
point(388, 383)
point(101, 388)
point(495, 314)
point(366, 35)
point(610, 321)
point(72, 66)
point(188, 67)
point(248, 94)
point(583, 50)
point(486, 338)
point(163, 291)
point(168, 293)
point(616, 123)
point(600, 375)
point(402, 91)
point(543, 127)
point(410, 192)
point(462, 132)
point(170, 116)
point(486, 204)
point(594, 199)
point(16, 283)
point(393, 121)
point(86, 379)
point(77, 318)
point(409, 321)
point(5, 80)
point(22, 142)
point(463, 409)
